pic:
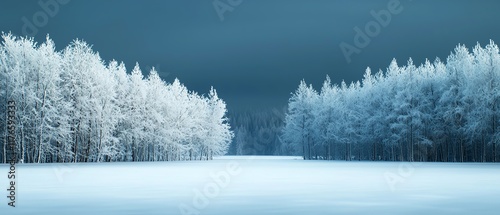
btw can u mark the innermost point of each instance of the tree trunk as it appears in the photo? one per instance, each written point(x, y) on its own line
point(346, 152)
point(494, 152)
point(484, 148)
point(76, 143)
point(374, 151)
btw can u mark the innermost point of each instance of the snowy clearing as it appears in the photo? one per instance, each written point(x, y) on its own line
point(255, 186)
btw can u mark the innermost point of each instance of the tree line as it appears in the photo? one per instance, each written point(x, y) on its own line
point(71, 106)
point(256, 132)
point(441, 111)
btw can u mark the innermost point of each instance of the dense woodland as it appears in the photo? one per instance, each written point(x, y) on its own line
point(441, 111)
point(73, 107)
point(256, 132)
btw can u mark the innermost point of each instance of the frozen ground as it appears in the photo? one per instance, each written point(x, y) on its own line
point(255, 186)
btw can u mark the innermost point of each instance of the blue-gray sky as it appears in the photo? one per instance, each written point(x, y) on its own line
point(258, 54)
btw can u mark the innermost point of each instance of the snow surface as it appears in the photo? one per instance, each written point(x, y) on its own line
point(257, 186)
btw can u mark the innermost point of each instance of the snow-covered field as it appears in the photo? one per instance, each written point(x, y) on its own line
point(254, 186)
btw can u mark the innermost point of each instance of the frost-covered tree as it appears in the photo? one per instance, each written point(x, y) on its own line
point(73, 107)
point(299, 120)
point(432, 112)
point(219, 134)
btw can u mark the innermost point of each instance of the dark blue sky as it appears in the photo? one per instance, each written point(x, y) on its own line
point(256, 57)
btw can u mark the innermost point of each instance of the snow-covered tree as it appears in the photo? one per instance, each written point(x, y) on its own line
point(73, 107)
point(299, 120)
point(431, 112)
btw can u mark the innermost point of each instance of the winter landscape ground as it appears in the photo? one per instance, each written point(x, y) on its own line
point(256, 185)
